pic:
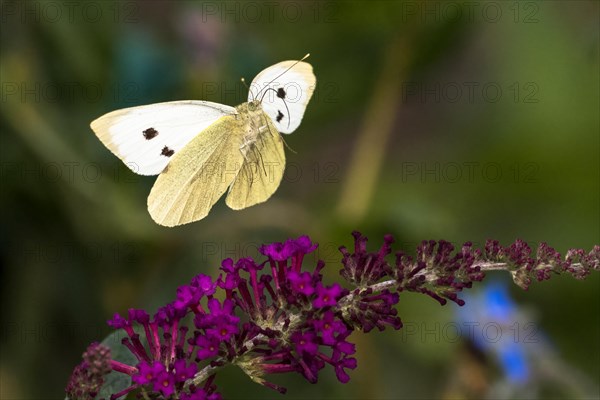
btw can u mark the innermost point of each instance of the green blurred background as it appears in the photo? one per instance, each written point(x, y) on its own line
point(431, 120)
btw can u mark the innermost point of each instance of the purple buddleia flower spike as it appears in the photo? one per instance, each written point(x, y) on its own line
point(278, 315)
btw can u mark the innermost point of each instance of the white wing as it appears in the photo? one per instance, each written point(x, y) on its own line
point(286, 92)
point(146, 137)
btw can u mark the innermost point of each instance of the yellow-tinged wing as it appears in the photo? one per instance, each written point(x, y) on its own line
point(198, 175)
point(262, 171)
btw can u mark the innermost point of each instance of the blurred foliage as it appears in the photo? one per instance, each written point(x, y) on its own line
point(394, 141)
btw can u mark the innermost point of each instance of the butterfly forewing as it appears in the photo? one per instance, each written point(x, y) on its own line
point(147, 137)
point(287, 87)
point(262, 171)
point(198, 175)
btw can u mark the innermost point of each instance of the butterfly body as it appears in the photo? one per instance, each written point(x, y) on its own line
point(202, 149)
point(253, 121)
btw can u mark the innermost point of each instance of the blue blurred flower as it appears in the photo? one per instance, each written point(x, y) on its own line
point(493, 308)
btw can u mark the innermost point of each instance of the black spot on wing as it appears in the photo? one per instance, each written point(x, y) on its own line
point(150, 133)
point(167, 152)
point(281, 93)
point(279, 116)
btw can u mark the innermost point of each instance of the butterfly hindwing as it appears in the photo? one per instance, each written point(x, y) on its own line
point(198, 175)
point(145, 138)
point(287, 87)
point(261, 174)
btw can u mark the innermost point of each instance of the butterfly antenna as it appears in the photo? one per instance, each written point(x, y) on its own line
point(288, 111)
point(248, 87)
point(265, 93)
point(284, 102)
point(290, 67)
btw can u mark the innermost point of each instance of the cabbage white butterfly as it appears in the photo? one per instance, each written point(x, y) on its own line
point(200, 149)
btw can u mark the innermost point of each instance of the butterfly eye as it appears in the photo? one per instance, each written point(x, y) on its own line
point(251, 106)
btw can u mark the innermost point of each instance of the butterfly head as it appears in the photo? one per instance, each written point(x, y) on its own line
point(253, 105)
point(250, 108)
point(251, 112)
